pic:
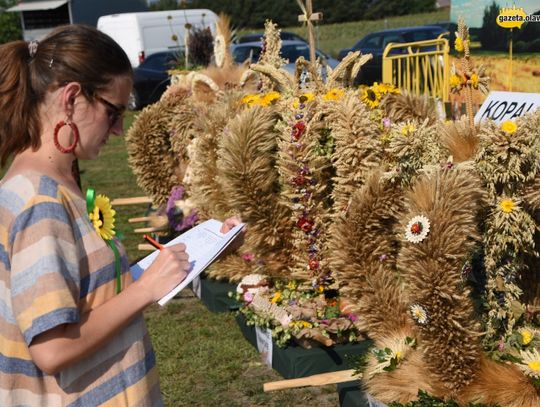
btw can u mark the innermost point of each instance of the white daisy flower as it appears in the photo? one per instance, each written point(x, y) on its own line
point(530, 364)
point(417, 229)
point(419, 314)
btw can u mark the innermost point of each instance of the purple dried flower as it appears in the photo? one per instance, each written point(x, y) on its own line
point(352, 317)
point(386, 122)
point(501, 345)
point(177, 192)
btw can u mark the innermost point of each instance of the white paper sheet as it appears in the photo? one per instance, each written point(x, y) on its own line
point(203, 243)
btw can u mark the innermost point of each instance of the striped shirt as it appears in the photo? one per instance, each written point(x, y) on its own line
point(53, 268)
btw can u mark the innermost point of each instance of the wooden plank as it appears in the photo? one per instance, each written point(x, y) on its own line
point(131, 201)
point(315, 380)
point(151, 229)
point(147, 219)
point(146, 247)
point(314, 17)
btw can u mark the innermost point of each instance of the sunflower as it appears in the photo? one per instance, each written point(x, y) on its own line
point(530, 363)
point(455, 81)
point(304, 98)
point(384, 88)
point(251, 100)
point(270, 98)
point(102, 217)
point(474, 81)
point(334, 94)
point(369, 97)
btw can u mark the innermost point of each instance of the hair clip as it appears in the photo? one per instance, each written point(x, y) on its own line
point(32, 48)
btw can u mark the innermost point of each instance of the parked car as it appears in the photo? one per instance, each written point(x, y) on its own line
point(291, 50)
point(257, 37)
point(150, 79)
point(375, 43)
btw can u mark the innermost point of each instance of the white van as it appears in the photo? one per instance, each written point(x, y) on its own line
point(145, 33)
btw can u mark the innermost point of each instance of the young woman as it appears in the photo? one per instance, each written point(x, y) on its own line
point(66, 337)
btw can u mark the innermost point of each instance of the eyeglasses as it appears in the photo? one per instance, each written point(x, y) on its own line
point(114, 112)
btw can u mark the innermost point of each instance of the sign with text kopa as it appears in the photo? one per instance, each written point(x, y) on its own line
point(502, 106)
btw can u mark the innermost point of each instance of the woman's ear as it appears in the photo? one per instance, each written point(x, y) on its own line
point(68, 94)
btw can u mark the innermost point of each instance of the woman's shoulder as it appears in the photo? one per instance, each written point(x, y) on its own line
point(21, 189)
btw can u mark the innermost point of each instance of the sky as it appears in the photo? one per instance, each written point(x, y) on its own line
point(473, 10)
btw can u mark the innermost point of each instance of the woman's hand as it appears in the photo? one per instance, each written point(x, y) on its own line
point(166, 272)
point(238, 241)
point(230, 223)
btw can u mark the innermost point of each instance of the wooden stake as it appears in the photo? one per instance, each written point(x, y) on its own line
point(131, 201)
point(309, 16)
point(147, 219)
point(315, 380)
point(151, 229)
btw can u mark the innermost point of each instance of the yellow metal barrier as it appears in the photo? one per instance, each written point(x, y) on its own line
point(420, 67)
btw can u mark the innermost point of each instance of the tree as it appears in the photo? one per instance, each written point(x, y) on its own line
point(10, 23)
point(164, 5)
point(492, 36)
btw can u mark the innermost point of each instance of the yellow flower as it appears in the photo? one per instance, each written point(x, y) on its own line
point(334, 94)
point(384, 88)
point(458, 44)
point(321, 289)
point(276, 297)
point(102, 217)
point(507, 205)
point(455, 81)
point(474, 80)
point(370, 98)
point(292, 285)
point(307, 97)
point(306, 324)
point(408, 129)
point(398, 355)
point(509, 127)
point(270, 98)
point(526, 335)
point(251, 100)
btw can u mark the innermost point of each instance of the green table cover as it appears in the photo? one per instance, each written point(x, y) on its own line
point(351, 395)
point(215, 295)
point(295, 361)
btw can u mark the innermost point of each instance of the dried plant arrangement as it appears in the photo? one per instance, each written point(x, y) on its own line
point(466, 78)
point(247, 165)
point(150, 152)
point(508, 161)
point(406, 106)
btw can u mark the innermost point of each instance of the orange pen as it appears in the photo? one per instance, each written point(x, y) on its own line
point(154, 243)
